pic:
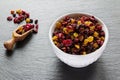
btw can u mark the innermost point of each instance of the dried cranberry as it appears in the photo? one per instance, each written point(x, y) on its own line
point(61, 35)
point(66, 18)
point(64, 23)
point(98, 42)
point(9, 18)
point(101, 43)
point(102, 33)
point(99, 28)
point(64, 49)
point(67, 42)
point(36, 28)
point(15, 20)
point(23, 12)
point(76, 40)
point(75, 51)
point(86, 31)
point(91, 32)
point(92, 18)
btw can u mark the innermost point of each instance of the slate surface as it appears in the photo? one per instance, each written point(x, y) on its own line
point(33, 59)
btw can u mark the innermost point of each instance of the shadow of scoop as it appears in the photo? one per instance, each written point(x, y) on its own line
point(21, 44)
point(9, 53)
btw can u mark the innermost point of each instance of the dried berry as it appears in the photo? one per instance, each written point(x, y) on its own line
point(27, 20)
point(36, 21)
point(67, 42)
point(14, 15)
point(9, 18)
point(12, 12)
point(79, 36)
point(31, 20)
point(36, 28)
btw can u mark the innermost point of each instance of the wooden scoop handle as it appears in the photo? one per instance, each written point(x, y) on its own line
point(9, 44)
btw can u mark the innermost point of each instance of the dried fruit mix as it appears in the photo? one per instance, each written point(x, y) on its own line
point(80, 36)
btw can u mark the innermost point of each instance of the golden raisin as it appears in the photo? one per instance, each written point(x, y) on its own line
point(75, 34)
point(79, 23)
point(54, 38)
point(27, 20)
point(65, 30)
point(72, 20)
point(86, 41)
point(90, 39)
point(77, 46)
point(87, 23)
point(58, 24)
point(102, 38)
point(95, 45)
point(92, 28)
point(55, 42)
point(95, 34)
point(84, 53)
point(18, 11)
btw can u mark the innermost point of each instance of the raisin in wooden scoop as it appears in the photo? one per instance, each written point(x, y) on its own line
point(17, 36)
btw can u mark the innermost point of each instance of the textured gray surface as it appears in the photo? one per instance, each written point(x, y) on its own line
point(33, 59)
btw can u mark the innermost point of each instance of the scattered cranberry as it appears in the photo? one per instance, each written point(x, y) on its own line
point(9, 18)
point(20, 16)
point(27, 15)
point(15, 20)
point(36, 28)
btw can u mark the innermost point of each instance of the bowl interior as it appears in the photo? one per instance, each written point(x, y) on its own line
point(75, 15)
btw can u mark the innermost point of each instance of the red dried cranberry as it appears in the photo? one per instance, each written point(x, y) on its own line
point(101, 43)
point(92, 18)
point(102, 33)
point(9, 18)
point(76, 40)
point(23, 12)
point(15, 20)
point(67, 42)
point(26, 28)
point(75, 51)
point(27, 15)
point(86, 31)
point(36, 28)
point(64, 23)
point(21, 18)
point(66, 18)
point(64, 49)
point(61, 35)
point(99, 28)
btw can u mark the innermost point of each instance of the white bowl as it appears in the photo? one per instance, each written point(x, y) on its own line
point(78, 61)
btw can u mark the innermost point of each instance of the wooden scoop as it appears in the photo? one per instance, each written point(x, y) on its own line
point(16, 37)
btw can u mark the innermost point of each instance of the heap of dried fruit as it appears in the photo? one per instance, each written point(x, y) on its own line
point(19, 16)
point(81, 35)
